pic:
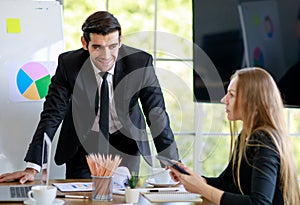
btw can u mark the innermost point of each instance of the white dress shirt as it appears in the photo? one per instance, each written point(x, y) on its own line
point(114, 122)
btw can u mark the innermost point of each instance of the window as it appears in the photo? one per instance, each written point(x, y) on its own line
point(164, 29)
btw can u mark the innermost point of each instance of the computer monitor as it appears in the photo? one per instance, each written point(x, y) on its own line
point(226, 51)
point(238, 34)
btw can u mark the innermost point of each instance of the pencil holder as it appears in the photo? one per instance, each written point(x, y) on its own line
point(102, 188)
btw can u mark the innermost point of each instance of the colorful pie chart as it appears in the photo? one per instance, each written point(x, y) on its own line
point(33, 80)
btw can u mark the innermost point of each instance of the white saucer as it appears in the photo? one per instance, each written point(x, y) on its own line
point(56, 202)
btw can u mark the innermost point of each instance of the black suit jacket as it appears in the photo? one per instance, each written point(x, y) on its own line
point(259, 175)
point(71, 99)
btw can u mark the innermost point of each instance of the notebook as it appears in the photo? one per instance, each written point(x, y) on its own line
point(19, 192)
point(172, 196)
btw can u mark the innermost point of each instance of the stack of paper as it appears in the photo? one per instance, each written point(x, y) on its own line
point(172, 196)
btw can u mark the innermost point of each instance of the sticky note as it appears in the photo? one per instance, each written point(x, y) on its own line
point(13, 25)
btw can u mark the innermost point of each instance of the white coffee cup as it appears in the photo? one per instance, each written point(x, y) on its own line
point(162, 175)
point(42, 194)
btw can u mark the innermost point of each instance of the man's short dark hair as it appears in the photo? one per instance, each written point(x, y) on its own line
point(100, 22)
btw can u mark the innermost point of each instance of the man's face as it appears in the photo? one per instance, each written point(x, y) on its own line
point(103, 49)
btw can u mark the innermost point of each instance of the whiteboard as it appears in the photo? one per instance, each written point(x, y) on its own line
point(31, 38)
point(262, 36)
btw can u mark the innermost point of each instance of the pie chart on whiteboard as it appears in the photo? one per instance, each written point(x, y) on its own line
point(33, 80)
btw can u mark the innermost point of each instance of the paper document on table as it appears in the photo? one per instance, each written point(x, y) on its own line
point(73, 186)
point(82, 186)
point(172, 197)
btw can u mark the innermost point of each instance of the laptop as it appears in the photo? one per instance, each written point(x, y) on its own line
point(11, 193)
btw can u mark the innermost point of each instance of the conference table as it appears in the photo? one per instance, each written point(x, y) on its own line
point(117, 198)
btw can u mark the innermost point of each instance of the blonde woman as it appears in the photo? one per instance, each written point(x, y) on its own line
point(262, 167)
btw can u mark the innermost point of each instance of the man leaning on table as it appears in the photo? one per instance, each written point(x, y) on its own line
point(72, 98)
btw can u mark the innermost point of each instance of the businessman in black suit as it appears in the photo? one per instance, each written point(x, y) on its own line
point(73, 99)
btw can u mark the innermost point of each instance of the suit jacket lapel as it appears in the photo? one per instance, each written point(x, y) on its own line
point(120, 93)
point(119, 73)
point(89, 81)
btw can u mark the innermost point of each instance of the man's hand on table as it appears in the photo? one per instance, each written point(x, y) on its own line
point(23, 176)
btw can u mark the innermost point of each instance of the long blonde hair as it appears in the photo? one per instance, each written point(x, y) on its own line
point(262, 109)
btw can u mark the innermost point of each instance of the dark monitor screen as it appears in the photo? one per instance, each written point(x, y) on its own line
point(226, 51)
point(289, 86)
point(217, 32)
